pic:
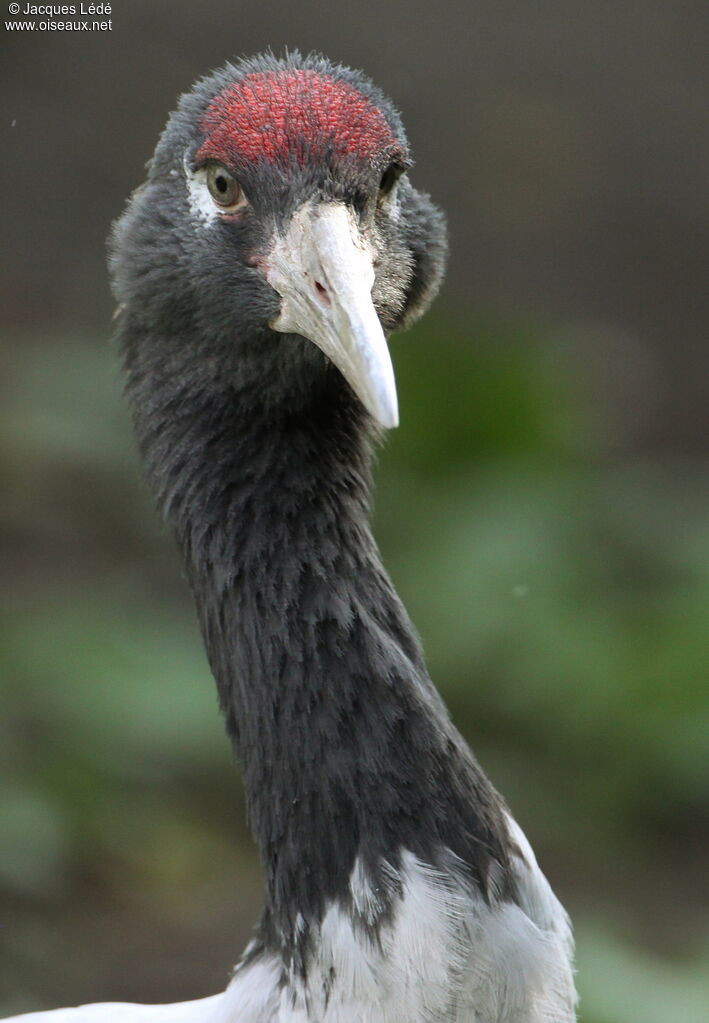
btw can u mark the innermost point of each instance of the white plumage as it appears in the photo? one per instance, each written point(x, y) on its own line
point(445, 956)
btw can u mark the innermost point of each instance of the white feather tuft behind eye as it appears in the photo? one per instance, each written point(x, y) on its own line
point(200, 201)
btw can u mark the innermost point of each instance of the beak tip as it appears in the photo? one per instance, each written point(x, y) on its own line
point(387, 415)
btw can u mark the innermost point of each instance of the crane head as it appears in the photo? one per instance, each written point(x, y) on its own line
point(283, 193)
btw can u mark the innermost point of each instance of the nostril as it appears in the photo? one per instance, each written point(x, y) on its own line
point(321, 292)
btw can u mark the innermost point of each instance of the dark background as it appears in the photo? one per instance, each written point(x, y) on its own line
point(544, 507)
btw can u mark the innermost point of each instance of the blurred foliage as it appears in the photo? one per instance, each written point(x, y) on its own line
point(561, 591)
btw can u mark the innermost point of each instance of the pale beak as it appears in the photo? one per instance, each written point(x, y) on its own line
point(324, 274)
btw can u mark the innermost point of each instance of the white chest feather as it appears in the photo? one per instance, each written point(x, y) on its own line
point(445, 955)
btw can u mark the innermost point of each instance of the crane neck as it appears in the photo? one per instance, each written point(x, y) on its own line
point(346, 748)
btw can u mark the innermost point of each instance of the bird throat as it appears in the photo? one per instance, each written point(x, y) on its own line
point(347, 752)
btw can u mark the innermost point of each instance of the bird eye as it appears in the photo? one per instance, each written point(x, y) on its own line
point(223, 188)
point(389, 178)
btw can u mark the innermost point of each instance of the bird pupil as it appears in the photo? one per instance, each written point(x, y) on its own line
point(222, 183)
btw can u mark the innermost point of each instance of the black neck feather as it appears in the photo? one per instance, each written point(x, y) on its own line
point(345, 745)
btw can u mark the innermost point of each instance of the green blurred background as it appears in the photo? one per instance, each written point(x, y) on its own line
point(543, 509)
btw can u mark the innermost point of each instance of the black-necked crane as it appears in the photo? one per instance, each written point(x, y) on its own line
point(277, 242)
